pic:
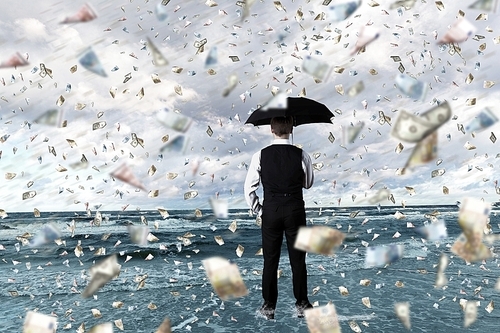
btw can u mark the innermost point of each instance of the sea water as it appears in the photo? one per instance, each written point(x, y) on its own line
point(49, 279)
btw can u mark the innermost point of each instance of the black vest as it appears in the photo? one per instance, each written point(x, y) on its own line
point(282, 175)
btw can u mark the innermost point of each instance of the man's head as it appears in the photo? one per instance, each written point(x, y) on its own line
point(282, 126)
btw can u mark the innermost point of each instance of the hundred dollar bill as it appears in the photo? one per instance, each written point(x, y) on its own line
point(98, 125)
point(39, 323)
point(225, 278)
point(318, 69)
point(103, 272)
point(190, 195)
point(340, 12)
point(318, 239)
point(381, 255)
point(411, 87)
point(29, 195)
point(322, 319)
point(174, 120)
point(483, 120)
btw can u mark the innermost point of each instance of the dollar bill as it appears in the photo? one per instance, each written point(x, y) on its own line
point(212, 58)
point(318, 239)
point(98, 125)
point(219, 207)
point(408, 4)
point(367, 34)
point(316, 68)
point(413, 88)
point(39, 323)
point(411, 128)
point(103, 272)
point(15, 60)
point(85, 13)
point(402, 310)
point(340, 12)
point(356, 89)
point(49, 233)
point(381, 255)
point(433, 232)
point(486, 5)
point(232, 83)
point(441, 279)
point(424, 152)
point(158, 58)
point(164, 327)
point(483, 120)
point(322, 319)
point(459, 32)
point(470, 251)
point(138, 234)
point(51, 118)
point(89, 60)
point(225, 278)
point(177, 145)
point(380, 196)
point(29, 195)
point(190, 195)
point(470, 313)
point(351, 132)
point(437, 173)
point(174, 120)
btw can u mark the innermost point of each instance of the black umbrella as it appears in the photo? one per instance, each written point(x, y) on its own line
point(303, 110)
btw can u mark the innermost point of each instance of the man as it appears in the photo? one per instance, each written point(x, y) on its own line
point(283, 170)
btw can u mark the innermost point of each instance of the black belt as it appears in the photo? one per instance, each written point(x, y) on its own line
point(285, 194)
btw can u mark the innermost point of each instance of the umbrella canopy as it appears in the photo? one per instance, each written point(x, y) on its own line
point(303, 110)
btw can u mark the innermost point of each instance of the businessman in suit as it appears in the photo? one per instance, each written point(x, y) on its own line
point(283, 170)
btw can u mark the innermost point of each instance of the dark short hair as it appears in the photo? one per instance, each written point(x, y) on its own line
point(282, 125)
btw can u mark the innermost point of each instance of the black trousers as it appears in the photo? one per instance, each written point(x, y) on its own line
point(275, 221)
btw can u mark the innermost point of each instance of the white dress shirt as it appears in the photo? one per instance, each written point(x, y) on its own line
point(252, 181)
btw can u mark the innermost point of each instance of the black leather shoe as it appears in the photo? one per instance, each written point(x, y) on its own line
point(301, 307)
point(267, 310)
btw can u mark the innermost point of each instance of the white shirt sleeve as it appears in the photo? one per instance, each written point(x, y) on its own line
point(252, 183)
point(308, 170)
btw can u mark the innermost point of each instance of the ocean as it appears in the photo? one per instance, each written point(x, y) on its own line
point(50, 278)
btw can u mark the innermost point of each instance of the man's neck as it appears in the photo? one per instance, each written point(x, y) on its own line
point(284, 136)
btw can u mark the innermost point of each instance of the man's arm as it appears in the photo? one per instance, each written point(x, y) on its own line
point(252, 183)
point(308, 170)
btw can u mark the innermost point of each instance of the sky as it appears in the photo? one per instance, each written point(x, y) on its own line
point(270, 40)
